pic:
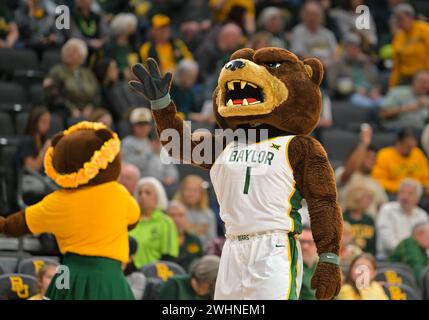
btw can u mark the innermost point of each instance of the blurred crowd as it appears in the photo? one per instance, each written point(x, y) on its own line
point(383, 70)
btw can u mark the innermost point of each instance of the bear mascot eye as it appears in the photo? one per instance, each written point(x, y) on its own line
point(272, 65)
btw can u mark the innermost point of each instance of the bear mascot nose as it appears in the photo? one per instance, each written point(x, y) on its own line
point(235, 64)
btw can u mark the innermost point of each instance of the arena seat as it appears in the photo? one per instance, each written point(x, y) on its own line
point(395, 276)
point(31, 243)
point(8, 244)
point(12, 97)
point(21, 60)
point(9, 264)
point(21, 122)
point(394, 266)
point(346, 116)
point(8, 175)
point(31, 266)
point(401, 292)
point(6, 125)
point(15, 286)
point(383, 139)
point(36, 95)
point(162, 270)
point(49, 59)
point(338, 144)
point(152, 288)
point(424, 280)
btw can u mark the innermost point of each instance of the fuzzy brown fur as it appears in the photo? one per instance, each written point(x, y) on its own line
point(297, 115)
point(70, 153)
point(315, 181)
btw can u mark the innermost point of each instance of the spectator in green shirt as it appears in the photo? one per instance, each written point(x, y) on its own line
point(155, 233)
point(71, 89)
point(358, 200)
point(190, 245)
point(198, 285)
point(413, 250)
point(309, 259)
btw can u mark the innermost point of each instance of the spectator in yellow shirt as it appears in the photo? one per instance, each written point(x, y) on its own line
point(360, 283)
point(403, 160)
point(410, 46)
point(162, 47)
point(241, 12)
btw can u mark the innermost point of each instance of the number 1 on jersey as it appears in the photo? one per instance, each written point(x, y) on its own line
point(247, 181)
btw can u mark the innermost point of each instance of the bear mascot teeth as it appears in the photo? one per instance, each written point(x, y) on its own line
point(260, 185)
point(90, 215)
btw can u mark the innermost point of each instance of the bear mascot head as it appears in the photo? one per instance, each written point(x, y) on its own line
point(269, 86)
point(86, 154)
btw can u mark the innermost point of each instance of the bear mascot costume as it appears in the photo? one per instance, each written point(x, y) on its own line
point(260, 184)
point(90, 215)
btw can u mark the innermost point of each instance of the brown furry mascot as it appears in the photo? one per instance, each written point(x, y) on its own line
point(260, 183)
point(90, 216)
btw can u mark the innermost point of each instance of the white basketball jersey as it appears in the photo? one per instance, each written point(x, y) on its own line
point(255, 187)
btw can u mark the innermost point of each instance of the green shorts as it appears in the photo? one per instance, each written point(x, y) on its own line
point(89, 278)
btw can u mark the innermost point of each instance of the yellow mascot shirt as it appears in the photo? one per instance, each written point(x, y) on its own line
point(90, 221)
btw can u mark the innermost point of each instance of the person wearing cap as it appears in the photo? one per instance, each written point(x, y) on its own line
point(136, 148)
point(410, 46)
point(355, 75)
point(166, 50)
point(198, 285)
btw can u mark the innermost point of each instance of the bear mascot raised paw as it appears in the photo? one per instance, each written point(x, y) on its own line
point(90, 215)
point(273, 97)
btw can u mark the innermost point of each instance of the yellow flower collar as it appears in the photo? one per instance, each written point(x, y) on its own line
point(100, 159)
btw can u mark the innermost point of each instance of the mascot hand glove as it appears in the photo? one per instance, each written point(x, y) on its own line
point(152, 84)
point(327, 277)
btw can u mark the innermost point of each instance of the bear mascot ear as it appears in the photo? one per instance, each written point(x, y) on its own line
point(314, 69)
point(103, 134)
point(245, 53)
point(56, 138)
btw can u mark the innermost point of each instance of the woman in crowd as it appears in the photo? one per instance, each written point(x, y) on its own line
point(360, 283)
point(202, 221)
point(44, 278)
point(30, 154)
point(155, 233)
point(358, 200)
point(71, 89)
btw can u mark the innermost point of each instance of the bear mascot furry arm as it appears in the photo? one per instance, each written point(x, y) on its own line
point(288, 103)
